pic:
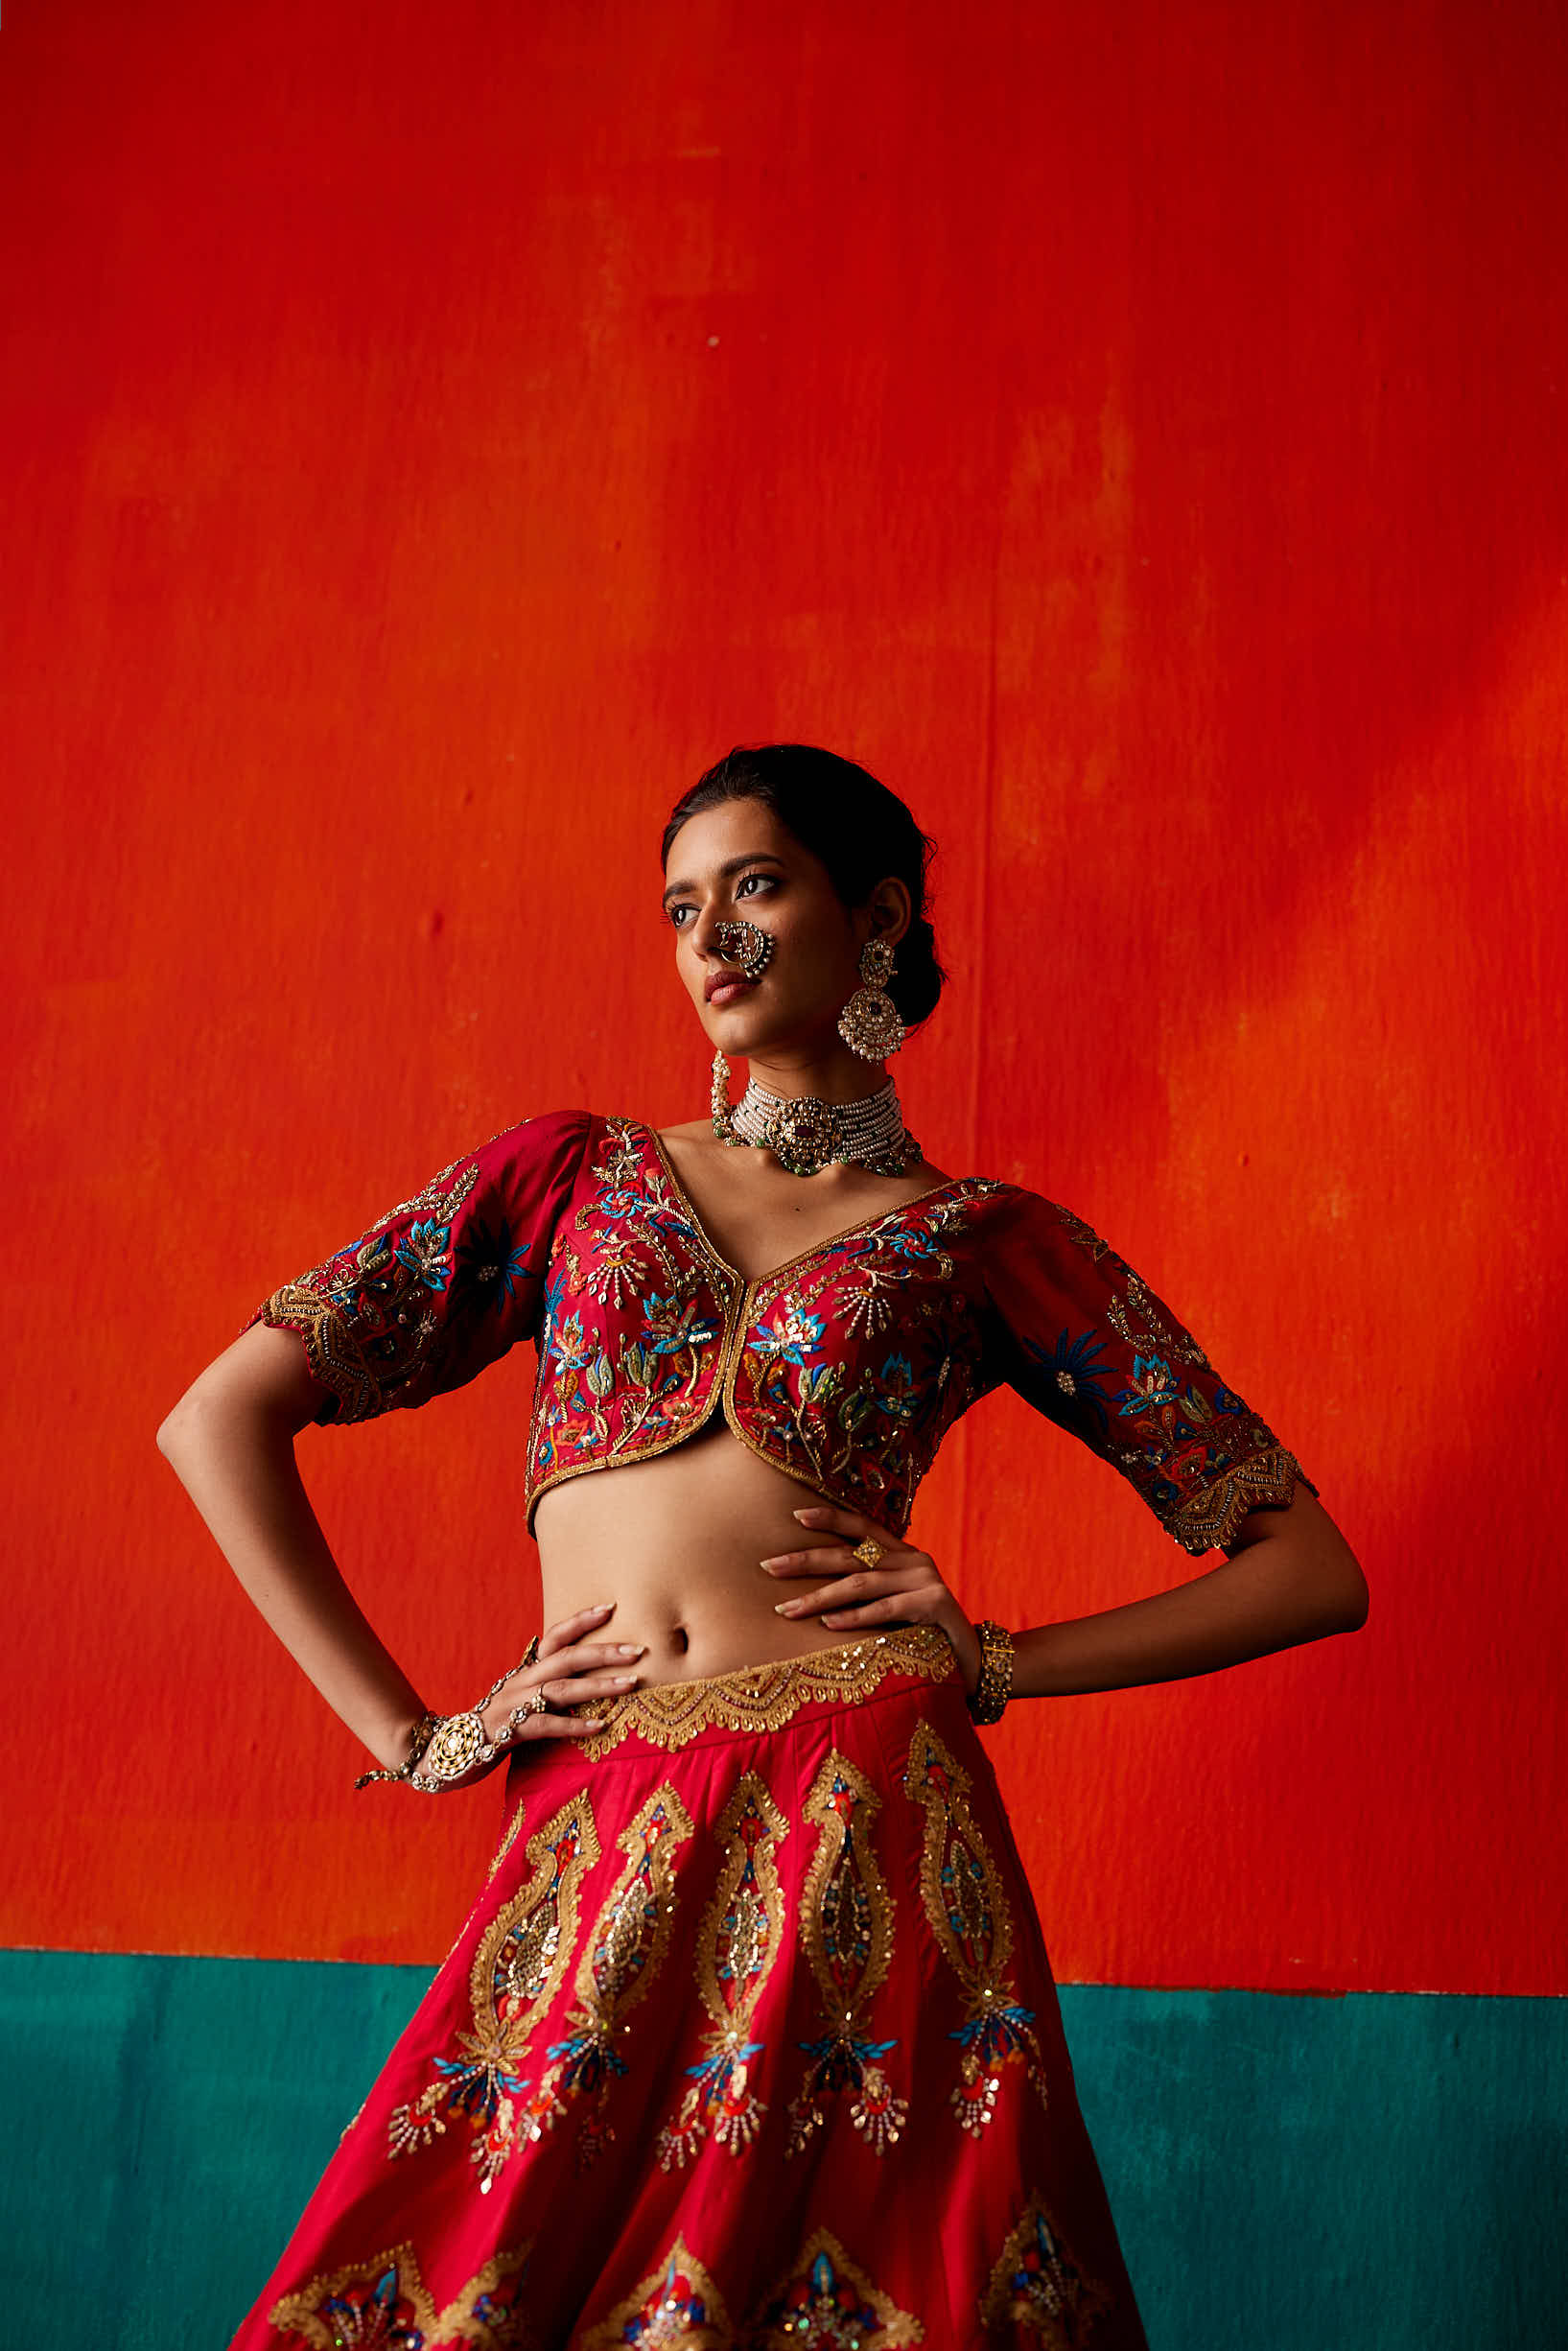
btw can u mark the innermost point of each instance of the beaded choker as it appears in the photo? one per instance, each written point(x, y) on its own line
point(804, 1133)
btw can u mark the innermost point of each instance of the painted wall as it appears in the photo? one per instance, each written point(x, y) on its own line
point(221, 2087)
point(1136, 434)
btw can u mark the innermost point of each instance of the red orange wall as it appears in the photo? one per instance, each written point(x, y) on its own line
point(1139, 435)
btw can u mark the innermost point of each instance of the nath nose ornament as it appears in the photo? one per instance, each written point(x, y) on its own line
point(744, 944)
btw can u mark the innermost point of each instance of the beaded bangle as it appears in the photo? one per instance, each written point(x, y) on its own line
point(419, 1738)
point(443, 1747)
point(994, 1687)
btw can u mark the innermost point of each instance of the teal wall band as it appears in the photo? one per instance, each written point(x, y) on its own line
point(1370, 2172)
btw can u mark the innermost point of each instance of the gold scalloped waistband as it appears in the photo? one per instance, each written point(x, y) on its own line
point(754, 1698)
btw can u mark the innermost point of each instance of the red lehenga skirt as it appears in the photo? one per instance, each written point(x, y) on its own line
point(750, 2042)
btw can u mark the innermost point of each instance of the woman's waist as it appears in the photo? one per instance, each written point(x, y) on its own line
point(766, 1694)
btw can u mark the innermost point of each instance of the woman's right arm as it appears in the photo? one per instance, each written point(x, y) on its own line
point(230, 1441)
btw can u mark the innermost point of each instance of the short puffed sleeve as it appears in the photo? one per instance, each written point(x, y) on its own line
point(442, 1284)
point(1084, 1341)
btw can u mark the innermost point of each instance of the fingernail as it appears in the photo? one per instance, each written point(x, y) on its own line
point(772, 1562)
point(809, 1513)
point(597, 1607)
point(782, 1607)
point(629, 1649)
point(622, 1677)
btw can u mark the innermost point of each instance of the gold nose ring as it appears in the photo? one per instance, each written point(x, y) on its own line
point(746, 943)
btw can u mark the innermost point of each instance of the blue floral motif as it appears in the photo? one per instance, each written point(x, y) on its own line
point(423, 1250)
point(1073, 1366)
point(900, 1398)
point(489, 1266)
point(1152, 1384)
point(802, 1334)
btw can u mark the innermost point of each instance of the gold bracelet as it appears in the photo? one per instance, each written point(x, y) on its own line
point(994, 1687)
point(419, 1738)
point(443, 1747)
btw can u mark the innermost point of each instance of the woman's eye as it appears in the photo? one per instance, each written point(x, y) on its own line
point(681, 907)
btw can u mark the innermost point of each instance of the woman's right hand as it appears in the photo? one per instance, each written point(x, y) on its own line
point(568, 1667)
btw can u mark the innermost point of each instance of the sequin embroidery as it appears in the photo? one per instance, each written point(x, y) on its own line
point(738, 1938)
point(846, 1926)
point(517, 1971)
point(828, 2303)
point(966, 1907)
point(676, 2305)
point(620, 1962)
point(1036, 2285)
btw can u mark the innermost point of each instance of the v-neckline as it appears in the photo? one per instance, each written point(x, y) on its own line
point(755, 1280)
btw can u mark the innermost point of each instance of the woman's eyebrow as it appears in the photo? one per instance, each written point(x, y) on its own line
point(730, 865)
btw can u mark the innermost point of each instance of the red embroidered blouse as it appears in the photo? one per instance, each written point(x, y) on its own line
point(845, 1367)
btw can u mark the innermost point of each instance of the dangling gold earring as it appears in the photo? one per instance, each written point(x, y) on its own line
point(869, 1022)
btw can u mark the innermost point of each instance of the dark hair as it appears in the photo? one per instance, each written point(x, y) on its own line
point(861, 832)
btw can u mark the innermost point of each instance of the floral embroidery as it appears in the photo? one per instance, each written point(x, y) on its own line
point(677, 2304)
point(620, 1962)
point(517, 1971)
point(1194, 1451)
point(739, 1938)
point(363, 1316)
point(670, 1714)
point(646, 1329)
point(1036, 2285)
point(828, 2303)
point(383, 2305)
point(970, 1917)
point(846, 1924)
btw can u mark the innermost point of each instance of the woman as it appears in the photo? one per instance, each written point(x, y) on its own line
point(751, 2038)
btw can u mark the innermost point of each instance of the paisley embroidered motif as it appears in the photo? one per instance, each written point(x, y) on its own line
point(968, 1909)
point(1035, 2285)
point(677, 2307)
point(621, 1960)
point(827, 2302)
point(670, 1714)
point(845, 1925)
point(383, 2305)
point(516, 1972)
point(739, 1938)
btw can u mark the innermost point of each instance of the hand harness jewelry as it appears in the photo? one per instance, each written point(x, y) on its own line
point(444, 1746)
point(994, 1687)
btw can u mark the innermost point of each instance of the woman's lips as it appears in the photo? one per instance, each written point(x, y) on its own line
point(726, 991)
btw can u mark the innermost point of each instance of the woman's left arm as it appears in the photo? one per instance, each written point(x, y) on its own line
point(1289, 1576)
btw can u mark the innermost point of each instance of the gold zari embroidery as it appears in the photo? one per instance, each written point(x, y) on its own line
point(668, 1714)
point(385, 2301)
point(739, 1938)
point(517, 1971)
point(846, 1926)
point(826, 2302)
point(1209, 1519)
point(970, 1917)
point(676, 2307)
point(622, 1958)
point(1037, 2284)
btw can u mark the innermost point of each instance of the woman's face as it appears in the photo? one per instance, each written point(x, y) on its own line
point(738, 863)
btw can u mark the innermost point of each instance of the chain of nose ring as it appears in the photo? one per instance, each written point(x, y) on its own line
point(746, 943)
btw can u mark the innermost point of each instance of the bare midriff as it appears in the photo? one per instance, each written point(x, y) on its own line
point(677, 1544)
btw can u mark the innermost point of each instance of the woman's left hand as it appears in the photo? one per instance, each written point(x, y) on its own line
point(905, 1586)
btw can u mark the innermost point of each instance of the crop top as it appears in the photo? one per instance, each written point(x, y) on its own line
point(845, 1367)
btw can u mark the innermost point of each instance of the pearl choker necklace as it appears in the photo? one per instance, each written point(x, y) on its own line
point(804, 1133)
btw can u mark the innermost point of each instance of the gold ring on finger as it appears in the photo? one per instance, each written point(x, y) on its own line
point(867, 1552)
point(535, 1702)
